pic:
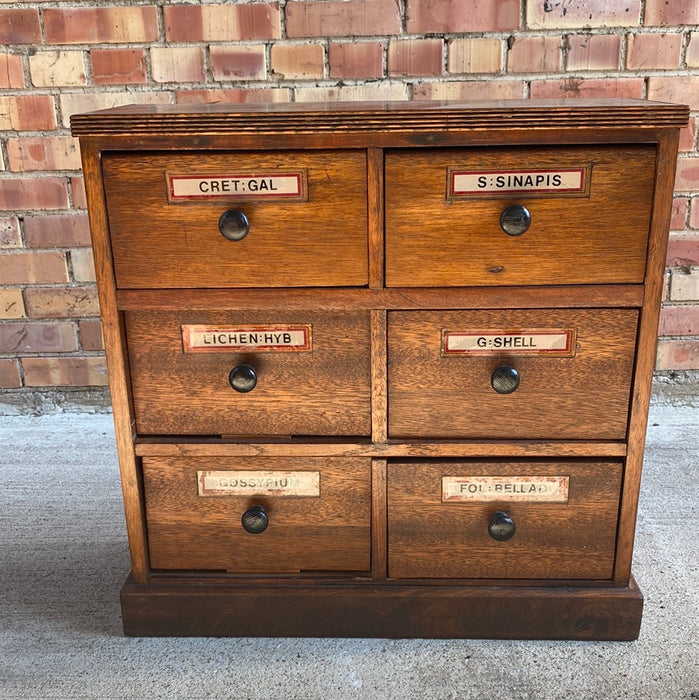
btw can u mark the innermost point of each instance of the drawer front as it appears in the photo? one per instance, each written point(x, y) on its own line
point(441, 381)
point(316, 512)
point(250, 374)
point(560, 519)
point(318, 238)
point(597, 234)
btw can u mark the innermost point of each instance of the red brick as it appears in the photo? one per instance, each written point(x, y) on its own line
point(11, 303)
point(415, 57)
point(83, 265)
point(694, 214)
point(64, 371)
point(11, 71)
point(593, 87)
point(77, 192)
point(475, 56)
point(27, 113)
point(20, 338)
point(57, 69)
point(222, 22)
point(353, 18)
point(684, 284)
point(593, 52)
point(61, 302)
point(57, 231)
point(680, 206)
point(297, 61)
point(687, 178)
point(671, 12)
point(243, 62)
point(10, 236)
point(688, 136)
point(470, 90)
point(20, 27)
point(356, 60)
point(79, 102)
point(683, 251)
point(679, 320)
point(373, 91)
point(559, 14)
point(9, 374)
point(92, 25)
point(693, 51)
point(535, 54)
point(33, 268)
point(118, 66)
point(43, 153)
point(234, 95)
point(90, 335)
point(677, 355)
point(454, 16)
point(653, 51)
point(34, 193)
point(678, 89)
point(180, 64)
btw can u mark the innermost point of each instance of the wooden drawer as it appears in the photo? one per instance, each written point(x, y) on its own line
point(435, 535)
point(312, 373)
point(195, 507)
point(595, 235)
point(442, 365)
point(317, 238)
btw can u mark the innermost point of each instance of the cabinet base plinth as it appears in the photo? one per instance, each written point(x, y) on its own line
point(203, 608)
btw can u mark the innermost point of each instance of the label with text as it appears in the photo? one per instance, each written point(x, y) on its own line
point(520, 342)
point(543, 489)
point(258, 483)
point(275, 186)
point(467, 184)
point(273, 338)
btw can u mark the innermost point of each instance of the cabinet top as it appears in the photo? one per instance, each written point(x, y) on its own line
point(368, 117)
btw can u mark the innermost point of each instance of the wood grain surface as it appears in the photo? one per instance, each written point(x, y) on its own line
point(429, 538)
point(327, 533)
point(321, 242)
point(574, 398)
point(597, 239)
point(326, 391)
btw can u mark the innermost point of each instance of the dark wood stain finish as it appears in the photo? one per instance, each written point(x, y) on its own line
point(380, 259)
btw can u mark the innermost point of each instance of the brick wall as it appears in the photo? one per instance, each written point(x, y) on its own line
point(58, 58)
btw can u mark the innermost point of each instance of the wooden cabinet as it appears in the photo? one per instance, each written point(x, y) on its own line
point(381, 369)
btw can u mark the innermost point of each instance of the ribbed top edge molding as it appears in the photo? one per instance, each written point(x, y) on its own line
point(355, 117)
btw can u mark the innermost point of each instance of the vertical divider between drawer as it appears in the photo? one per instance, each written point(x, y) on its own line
point(379, 519)
point(375, 216)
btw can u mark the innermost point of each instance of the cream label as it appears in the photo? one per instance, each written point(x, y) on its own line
point(468, 184)
point(279, 186)
point(543, 489)
point(525, 342)
point(273, 338)
point(258, 483)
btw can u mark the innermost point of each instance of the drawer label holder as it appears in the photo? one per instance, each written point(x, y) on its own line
point(253, 338)
point(557, 342)
point(258, 483)
point(540, 489)
point(537, 182)
point(279, 186)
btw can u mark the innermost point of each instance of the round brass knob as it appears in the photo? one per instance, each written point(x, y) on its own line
point(234, 225)
point(255, 520)
point(243, 378)
point(501, 527)
point(505, 379)
point(515, 220)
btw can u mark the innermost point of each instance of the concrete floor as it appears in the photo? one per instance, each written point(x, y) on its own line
point(63, 559)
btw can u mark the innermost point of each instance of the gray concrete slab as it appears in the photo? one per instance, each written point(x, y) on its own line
point(63, 558)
